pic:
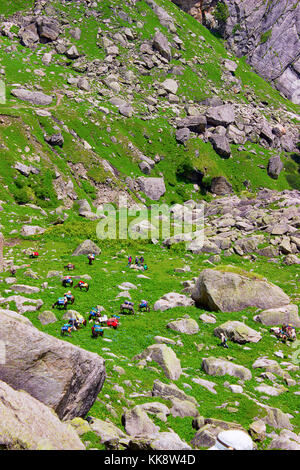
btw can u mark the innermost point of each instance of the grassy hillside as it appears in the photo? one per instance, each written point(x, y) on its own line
point(80, 116)
point(137, 332)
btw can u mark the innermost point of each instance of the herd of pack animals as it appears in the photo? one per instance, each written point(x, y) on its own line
point(94, 316)
point(78, 321)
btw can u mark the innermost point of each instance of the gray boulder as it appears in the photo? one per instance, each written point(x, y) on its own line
point(137, 423)
point(220, 186)
point(161, 44)
point(29, 36)
point(217, 366)
point(220, 115)
point(182, 135)
point(279, 316)
point(165, 357)
point(169, 392)
point(172, 300)
point(275, 167)
point(183, 408)
point(55, 139)
point(28, 424)
point(154, 188)
point(60, 375)
point(287, 440)
point(238, 332)
point(29, 230)
point(229, 291)
point(107, 431)
point(194, 123)
point(48, 29)
point(25, 289)
point(221, 145)
point(47, 317)
point(87, 247)
point(34, 97)
point(169, 441)
point(185, 325)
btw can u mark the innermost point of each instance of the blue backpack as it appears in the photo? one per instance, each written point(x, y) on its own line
point(97, 328)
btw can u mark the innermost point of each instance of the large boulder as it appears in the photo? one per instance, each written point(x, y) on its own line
point(161, 441)
point(238, 332)
point(34, 97)
point(28, 424)
point(25, 289)
point(221, 145)
point(106, 430)
point(194, 123)
point(161, 44)
point(62, 376)
point(55, 139)
point(165, 357)
point(48, 29)
point(15, 316)
point(183, 408)
point(30, 230)
point(170, 392)
point(87, 247)
point(185, 325)
point(275, 166)
point(279, 316)
point(220, 115)
point(29, 36)
point(169, 441)
point(23, 304)
point(208, 430)
point(47, 317)
point(218, 366)
point(183, 135)
point(172, 300)
point(229, 291)
point(287, 440)
point(220, 186)
point(137, 423)
point(270, 365)
point(154, 188)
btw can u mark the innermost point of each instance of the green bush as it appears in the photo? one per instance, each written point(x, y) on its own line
point(221, 12)
point(24, 195)
point(184, 168)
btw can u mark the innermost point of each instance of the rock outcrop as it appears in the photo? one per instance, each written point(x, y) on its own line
point(260, 31)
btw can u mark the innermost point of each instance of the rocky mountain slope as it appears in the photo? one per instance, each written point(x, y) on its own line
point(140, 101)
point(266, 32)
point(102, 97)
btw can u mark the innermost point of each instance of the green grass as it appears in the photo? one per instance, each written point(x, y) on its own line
point(9, 7)
point(137, 332)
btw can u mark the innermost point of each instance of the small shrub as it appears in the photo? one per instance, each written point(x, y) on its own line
point(265, 36)
point(221, 12)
